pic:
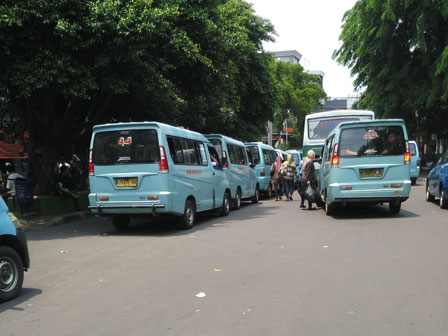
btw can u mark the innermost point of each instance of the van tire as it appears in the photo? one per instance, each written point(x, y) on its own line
point(429, 197)
point(329, 208)
point(186, 221)
point(268, 193)
point(394, 206)
point(443, 200)
point(413, 181)
point(237, 200)
point(121, 223)
point(11, 269)
point(225, 209)
point(256, 196)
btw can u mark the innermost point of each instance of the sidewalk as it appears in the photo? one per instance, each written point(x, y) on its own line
point(35, 222)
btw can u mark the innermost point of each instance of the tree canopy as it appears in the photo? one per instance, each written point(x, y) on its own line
point(66, 65)
point(398, 52)
point(298, 94)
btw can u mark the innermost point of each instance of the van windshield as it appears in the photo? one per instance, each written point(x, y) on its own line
point(126, 146)
point(372, 140)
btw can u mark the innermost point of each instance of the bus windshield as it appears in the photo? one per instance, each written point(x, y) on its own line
point(319, 128)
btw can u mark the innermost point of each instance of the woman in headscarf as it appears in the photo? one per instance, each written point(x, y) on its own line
point(276, 178)
point(308, 177)
point(289, 171)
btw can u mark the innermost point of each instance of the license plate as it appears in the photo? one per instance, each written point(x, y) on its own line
point(126, 182)
point(371, 172)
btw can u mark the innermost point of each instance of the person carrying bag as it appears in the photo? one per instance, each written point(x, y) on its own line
point(309, 181)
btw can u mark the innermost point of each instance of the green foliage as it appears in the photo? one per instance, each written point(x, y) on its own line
point(69, 64)
point(299, 93)
point(397, 50)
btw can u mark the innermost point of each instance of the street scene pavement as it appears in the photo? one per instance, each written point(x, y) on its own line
point(266, 269)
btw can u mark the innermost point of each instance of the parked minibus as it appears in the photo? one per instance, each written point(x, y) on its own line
point(366, 161)
point(237, 168)
point(263, 156)
point(141, 169)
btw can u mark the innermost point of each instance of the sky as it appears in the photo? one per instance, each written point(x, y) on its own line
point(312, 27)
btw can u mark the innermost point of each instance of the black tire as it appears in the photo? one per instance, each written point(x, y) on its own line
point(186, 221)
point(268, 193)
point(413, 181)
point(329, 208)
point(443, 200)
point(394, 206)
point(256, 196)
point(121, 223)
point(237, 200)
point(225, 208)
point(11, 273)
point(429, 197)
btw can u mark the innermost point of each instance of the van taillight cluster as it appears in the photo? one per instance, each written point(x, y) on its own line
point(91, 167)
point(262, 172)
point(163, 163)
point(335, 158)
point(407, 155)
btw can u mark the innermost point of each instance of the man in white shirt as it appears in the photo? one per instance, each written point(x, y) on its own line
point(11, 180)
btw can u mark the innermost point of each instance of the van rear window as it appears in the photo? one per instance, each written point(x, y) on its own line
point(126, 146)
point(372, 140)
point(412, 149)
point(253, 150)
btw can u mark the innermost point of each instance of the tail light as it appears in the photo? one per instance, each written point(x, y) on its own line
point(335, 158)
point(224, 159)
point(91, 167)
point(262, 172)
point(163, 163)
point(407, 155)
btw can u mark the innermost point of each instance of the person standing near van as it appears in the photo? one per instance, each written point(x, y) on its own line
point(276, 178)
point(308, 177)
point(288, 171)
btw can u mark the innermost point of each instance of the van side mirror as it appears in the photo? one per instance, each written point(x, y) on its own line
point(252, 165)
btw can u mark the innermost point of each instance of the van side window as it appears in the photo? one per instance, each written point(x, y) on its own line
point(328, 149)
point(200, 147)
point(269, 157)
point(237, 155)
point(183, 151)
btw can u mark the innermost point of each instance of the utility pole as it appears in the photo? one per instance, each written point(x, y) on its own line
point(270, 133)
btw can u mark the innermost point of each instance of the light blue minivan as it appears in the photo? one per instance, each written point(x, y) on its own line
point(415, 161)
point(263, 156)
point(141, 169)
point(237, 168)
point(366, 161)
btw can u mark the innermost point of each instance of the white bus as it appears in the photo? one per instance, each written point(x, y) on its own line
point(319, 125)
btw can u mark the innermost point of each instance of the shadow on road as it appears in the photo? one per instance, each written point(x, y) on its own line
point(159, 226)
point(25, 295)
point(354, 211)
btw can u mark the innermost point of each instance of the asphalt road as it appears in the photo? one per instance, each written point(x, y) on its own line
point(266, 269)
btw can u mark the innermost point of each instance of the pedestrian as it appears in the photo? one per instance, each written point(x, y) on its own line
point(276, 178)
point(65, 186)
point(10, 180)
point(308, 178)
point(288, 172)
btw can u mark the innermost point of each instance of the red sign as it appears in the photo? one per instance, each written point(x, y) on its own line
point(12, 151)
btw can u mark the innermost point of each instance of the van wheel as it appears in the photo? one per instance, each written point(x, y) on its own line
point(11, 273)
point(429, 197)
point(329, 208)
point(268, 194)
point(225, 209)
point(256, 197)
point(443, 200)
point(237, 200)
point(121, 223)
point(394, 206)
point(413, 181)
point(187, 220)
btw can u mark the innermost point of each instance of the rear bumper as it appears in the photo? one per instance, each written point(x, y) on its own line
point(369, 192)
point(263, 182)
point(105, 209)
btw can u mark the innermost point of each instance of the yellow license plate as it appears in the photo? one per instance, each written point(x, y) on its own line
point(372, 172)
point(126, 182)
